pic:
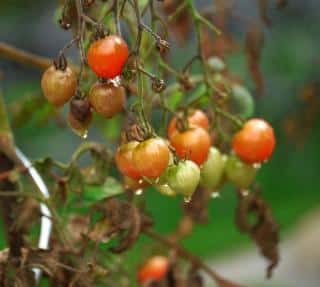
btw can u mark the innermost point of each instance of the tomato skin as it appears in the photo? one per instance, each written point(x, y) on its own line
point(107, 56)
point(213, 168)
point(58, 86)
point(196, 119)
point(107, 99)
point(239, 173)
point(155, 269)
point(151, 157)
point(255, 142)
point(124, 160)
point(192, 144)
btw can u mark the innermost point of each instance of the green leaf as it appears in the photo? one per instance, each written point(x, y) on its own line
point(94, 193)
point(174, 99)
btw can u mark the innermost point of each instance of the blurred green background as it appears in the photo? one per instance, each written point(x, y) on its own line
point(290, 62)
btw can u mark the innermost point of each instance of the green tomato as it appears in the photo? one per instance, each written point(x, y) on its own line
point(242, 101)
point(216, 64)
point(239, 173)
point(212, 170)
point(184, 178)
point(165, 189)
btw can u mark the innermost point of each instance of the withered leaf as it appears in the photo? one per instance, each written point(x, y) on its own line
point(253, 44)
point(263, 10)
point(264, 231)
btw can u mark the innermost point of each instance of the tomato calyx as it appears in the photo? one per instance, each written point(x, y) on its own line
point(60, 62)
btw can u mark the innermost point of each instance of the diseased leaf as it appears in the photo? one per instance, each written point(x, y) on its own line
point(264, 231)
point(253, 44)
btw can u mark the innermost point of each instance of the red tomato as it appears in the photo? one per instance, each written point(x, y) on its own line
point(107, 56)
point(255, 142)
point(197, 118)
point(151, 157)
point(192, 144)
point(107, 99)
point(124, 160)
point(132, 184)
point(154, 269)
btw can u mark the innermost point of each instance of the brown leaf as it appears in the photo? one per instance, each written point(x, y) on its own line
point(263, 10)
point(264, 231)
point(253, 44)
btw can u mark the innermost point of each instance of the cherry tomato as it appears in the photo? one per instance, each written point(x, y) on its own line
point(239, 173)
point(151, 157)
point(154, 269)
point(184, 177)
point(58, 86)
point(107, 56)
point(107, 99)
point(196, 119)
point(124, 160)
point(255, 142)
point(213, 168)
point(192, 144)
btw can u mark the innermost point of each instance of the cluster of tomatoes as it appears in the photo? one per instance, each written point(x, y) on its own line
point(176, 165)
point(198, 161)
point(106, 57)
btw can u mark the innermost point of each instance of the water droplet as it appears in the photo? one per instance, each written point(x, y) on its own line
point(245, 192)
point(187, 199)
point(140, 181)
point(257, 165)
point(139, 191)
point(215, 194)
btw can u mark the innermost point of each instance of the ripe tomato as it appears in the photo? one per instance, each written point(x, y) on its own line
point(197, 118)
point(192, 144)
point(184, 177)
point(255, 142)
point(107, 56)
point(213, 168)
point(124, 160)
point(58, 86)
point(239, 173)
point(154, 269)
point(151, 157)
point(107, 99)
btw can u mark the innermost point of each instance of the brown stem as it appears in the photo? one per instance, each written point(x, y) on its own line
point(196, 261)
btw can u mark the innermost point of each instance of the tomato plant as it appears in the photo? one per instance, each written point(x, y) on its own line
point(145, 123)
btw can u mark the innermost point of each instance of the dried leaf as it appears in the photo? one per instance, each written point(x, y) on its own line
point(263, 10)
point(264, 231)
point(253, 44)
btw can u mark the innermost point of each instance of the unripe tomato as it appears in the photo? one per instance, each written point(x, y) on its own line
point(124, 160)
point(165, 189)
point(213, 168)
point(155, 269)
point(151, 157)
point(107, 56)
point(192, 144)
point(107, 99)
point(241, 101)
point(239, 173)
point(255, 142)
point(184, 177)
point(197, 118)
point(58, 86)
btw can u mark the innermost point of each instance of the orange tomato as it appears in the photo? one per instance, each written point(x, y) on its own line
point(154, 269)
point(151, 157)
point(124, 160)
point(107, 56)
point(255, 142)
point(197, 118)
point(192, 144)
